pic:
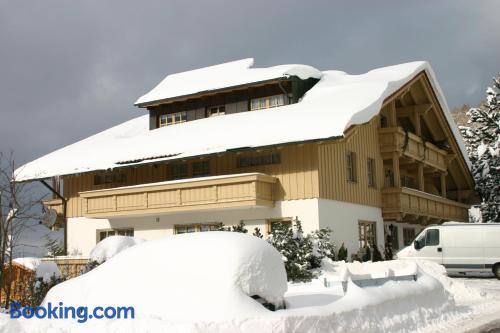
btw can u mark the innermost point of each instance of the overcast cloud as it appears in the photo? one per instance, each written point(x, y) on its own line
point(70, 69)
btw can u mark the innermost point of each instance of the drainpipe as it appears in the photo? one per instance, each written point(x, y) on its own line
point(65, 221)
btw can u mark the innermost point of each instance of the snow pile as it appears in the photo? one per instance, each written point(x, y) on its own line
point(225, 75)
point(43, 269)
point(337, 102)
point(190, 277)
point(111, 246)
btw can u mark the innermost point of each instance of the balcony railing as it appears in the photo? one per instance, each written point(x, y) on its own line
point(239, 190)
point(394, 139)
point(408, 204)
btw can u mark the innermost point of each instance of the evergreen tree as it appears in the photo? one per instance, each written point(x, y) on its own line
point(323, 245)
point(377, 256)
point(257, 233)
point(240, 228)
point(482, 138)
point(295, 249)
point(54, 247)
point(222, 227)
point(367, 255)
point(342, 253)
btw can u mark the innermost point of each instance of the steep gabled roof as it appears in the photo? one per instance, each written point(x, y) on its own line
point(337, 102)
point(212, 78)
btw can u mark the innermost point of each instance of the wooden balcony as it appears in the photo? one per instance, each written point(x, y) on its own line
point(409, 205)
point(231, 191)
point(394, 139)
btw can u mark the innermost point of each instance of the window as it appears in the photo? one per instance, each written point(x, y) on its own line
point(271, 223)
point(367, 234)
point(115, 232)
point(267, 102)
point(432, 237)
point(201, 169)
point(172, 118)
point(217, 111)
point(178, 171)
point(371, 172)
point(196, 227)
point(247, 161)
point(408, 236)
point(351, 166)
point(110, 178)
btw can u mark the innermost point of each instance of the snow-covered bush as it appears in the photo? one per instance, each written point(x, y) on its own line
point(323, 245)
point(111, 246)
point(482, 138)
point(295, 248)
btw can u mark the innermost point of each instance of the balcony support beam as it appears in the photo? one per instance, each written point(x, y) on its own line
point(395, 170)
point(443, 184)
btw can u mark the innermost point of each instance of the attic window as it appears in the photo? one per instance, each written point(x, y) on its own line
point(217, 111)
point(110, 178)
point(248, 161)
point(172, 118)
point(267, 102)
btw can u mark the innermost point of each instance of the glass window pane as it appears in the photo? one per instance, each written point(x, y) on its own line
point(432, 237)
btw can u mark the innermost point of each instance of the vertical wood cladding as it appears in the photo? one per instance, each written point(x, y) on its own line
point(297, 174)
point(333, 183)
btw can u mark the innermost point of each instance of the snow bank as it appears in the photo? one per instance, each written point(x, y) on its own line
point(111, 246)
point(43, 269)
point(337, 102)
point(190, 277)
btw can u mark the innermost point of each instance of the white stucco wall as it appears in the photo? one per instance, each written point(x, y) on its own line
point(82, 232)
point(343, 217)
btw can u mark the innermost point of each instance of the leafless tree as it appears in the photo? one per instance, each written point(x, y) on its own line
point(19, 204)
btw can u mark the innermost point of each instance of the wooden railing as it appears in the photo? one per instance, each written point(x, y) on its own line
point(409, 204)
point(394, 139)
point(236, 190)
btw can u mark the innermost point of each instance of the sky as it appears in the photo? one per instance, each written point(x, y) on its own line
point(70, 69)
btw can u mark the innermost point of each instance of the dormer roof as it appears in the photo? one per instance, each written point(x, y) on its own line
point(219, 77)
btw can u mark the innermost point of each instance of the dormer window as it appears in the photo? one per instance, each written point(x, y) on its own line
point(267, 102)
point(216, 111)
point(172, 118)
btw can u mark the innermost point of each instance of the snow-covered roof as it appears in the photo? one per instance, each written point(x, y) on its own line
point(230, 74)
point(330, 107)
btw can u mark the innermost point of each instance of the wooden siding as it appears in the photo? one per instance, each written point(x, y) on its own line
point(297, 174)
point(194, 194)
point(399, 203)
point(363, 140)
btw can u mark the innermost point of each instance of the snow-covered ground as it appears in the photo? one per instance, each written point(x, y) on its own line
point(203, 283)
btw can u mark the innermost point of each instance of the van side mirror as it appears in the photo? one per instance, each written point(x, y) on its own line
point(417, 245)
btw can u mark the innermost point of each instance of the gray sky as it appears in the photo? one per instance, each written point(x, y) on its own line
point(70, 69)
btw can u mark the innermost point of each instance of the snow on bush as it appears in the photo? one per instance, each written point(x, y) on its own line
point(206, 276)
point(111, 246)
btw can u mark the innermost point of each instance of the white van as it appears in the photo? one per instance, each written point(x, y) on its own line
point(459, 247)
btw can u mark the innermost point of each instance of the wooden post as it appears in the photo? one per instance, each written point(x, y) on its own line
point(395, 170)
point(393, 122)
point(416, 120)
point(443, 184)
point(420, 177)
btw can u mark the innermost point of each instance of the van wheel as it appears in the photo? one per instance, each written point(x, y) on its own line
point(496, 270)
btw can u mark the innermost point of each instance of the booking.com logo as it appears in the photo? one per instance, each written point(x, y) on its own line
point(62, 311)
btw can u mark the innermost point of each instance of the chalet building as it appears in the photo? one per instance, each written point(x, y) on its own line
point(366, 155)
